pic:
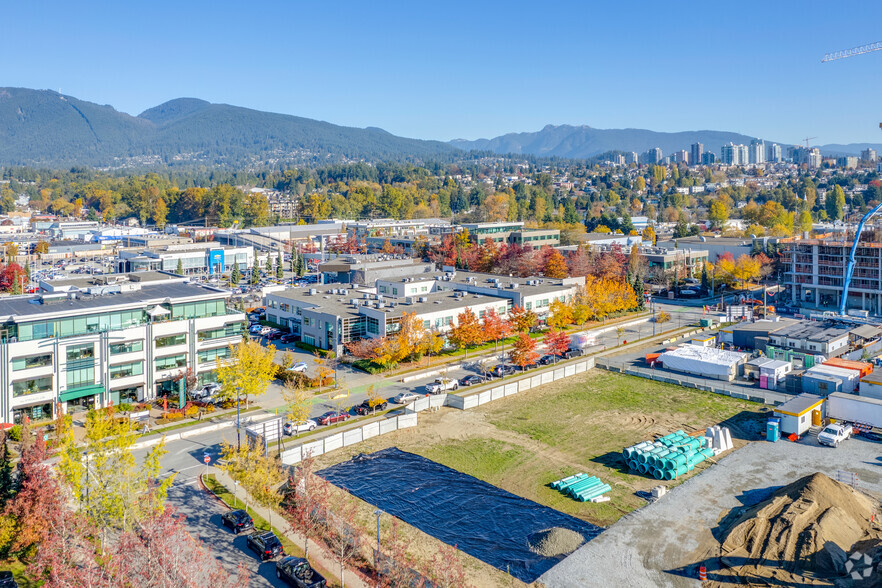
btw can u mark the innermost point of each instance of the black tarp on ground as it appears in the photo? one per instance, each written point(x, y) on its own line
point(480, 519)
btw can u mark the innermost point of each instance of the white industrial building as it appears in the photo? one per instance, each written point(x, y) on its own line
point(707, 362)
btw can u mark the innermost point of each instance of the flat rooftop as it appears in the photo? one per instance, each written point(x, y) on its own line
point(492, 283)
point(88, 281)
point(812, 331)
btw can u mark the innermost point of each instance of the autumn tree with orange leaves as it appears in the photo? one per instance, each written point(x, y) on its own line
point(524, 352)
point(521, 320)
point(467, 331)
point(556, 266)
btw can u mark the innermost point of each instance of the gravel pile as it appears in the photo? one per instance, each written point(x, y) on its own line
point(555, 541)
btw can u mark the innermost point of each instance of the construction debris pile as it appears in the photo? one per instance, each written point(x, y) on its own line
point(583, 487)
point(673, 455)
point(804, 534)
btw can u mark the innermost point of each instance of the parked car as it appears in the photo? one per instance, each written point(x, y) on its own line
point(291, 428)
point(689, 293)
point(237, 520)
point(503, 370)
point(442, 385)
point(405, 397)
point(265, 544)
point(365, 407)
point(255, 329)
point(549, 359)
point(273, 334)
point(529, 366)
point(331, 417)
point(206, 391)
point(296, 571)
point(299, 367)
point(833, 435)
point(472, 379)
point(264, 331)
point(289, 338)
point(571, 353)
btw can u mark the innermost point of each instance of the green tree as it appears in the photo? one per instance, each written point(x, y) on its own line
point(180, 269)
point(255, 274)
point(269, 264)
point(236, 275)
point(834, 203)
point(804, 222)
point(280, 264)
point(718, 214)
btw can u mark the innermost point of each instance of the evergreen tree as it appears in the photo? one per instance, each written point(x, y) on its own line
point(294, 255)
point(301, 265)
point(180, 270)
point(7, 480)
point(255, 274)
point(705, 280)
point(280, 272)
point(236, 275)
point(638, 290)
point(269, 264)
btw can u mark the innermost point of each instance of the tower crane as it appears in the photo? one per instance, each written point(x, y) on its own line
point(849, 266)
point(807, 139)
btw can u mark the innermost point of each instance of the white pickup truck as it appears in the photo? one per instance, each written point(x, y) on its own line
point(833, 435)
point(441, 384)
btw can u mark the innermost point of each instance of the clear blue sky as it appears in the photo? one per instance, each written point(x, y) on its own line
point(446, 70)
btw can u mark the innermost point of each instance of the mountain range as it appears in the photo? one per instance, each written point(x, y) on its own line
point(45, 128)
point(42, 127)
point(581, 142)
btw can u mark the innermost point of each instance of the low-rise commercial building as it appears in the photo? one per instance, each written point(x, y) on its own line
point(210, 258)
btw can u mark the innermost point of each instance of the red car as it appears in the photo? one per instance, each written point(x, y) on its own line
point(331, 417)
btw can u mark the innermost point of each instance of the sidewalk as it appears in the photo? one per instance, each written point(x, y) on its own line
point(317, 554)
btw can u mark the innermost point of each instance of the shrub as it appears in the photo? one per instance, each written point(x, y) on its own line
point(142, 406)
point(125, 407)
point(312, 349)
point(368, 366)
point(14, 433)
point(191, 411)
point(662, 317)
point(174, 416)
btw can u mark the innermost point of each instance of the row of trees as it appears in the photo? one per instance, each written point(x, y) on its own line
point(103, 520)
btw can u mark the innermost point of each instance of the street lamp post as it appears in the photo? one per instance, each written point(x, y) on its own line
point(86, 455)
point(377, 512)
point(652, 306)
point(238, 430)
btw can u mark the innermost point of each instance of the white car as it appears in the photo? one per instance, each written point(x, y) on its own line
point(299, 367)
point(442, 384)
point(290, 428)
point(206, 391)
point(266, 330)
point(833, 435)
point(406, 397)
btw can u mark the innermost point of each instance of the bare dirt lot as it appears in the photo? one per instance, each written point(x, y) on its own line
point(525, 442)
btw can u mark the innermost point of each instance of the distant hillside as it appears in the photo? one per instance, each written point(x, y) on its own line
point(583, 141)
point(850, 149)
point(41, 127)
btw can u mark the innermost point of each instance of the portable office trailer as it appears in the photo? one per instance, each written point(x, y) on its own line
point(798, 414)
point(871, 385)
point(820, 384)
point(864, 367)
point(850, 378)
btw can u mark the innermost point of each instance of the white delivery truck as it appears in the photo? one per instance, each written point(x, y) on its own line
point(582, 341)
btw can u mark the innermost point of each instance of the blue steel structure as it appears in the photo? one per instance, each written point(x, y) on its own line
point(849, 267)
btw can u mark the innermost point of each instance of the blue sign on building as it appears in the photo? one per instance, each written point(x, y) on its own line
point(215, 261)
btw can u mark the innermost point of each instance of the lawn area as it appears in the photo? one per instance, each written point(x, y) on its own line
point(581, 424)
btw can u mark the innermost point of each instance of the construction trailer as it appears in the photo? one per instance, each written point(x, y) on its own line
point(799, 414)
point(819, 384)
point(855, 409)
point(865, 368)
point(871, 385)
point(707, 362)
point(850, 378)
point(768, 372)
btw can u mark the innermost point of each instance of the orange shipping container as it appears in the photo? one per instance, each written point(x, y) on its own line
point(651, 357)
point(863, 367)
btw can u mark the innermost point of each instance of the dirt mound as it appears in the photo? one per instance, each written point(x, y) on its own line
point(810, 526)
point(555, 541)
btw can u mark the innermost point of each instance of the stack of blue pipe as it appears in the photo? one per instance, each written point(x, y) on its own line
point(581, 487)
point(668, 457)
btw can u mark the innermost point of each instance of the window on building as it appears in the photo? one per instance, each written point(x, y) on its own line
point(171, 361)
point(395, 291)
point(81, 377)
point(78, 352)
point(32, 386)
point(306, 321)
point(212, 355)
point(127, 347)
point(372, 325)
point(427, 324)
point(230, 330)
point(32, 361)
point(124, 370)
point(170, 340)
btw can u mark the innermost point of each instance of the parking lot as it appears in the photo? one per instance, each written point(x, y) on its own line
point(662, 544)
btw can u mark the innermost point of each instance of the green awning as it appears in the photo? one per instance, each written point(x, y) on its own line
point(72, 394)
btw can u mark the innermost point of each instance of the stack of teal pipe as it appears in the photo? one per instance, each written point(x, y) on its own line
point(581, 487)
point(668, 457)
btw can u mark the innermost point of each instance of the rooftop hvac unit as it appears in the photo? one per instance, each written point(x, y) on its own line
point(313, 291)
point(353, 301)
point(437, 278)
point(424, 298)
point(408, 300)
point(513, 285)
point(365, 296)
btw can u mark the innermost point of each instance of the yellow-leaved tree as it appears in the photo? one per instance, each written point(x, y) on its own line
point(560, 314)
point(249, 370)
point(260, 475)
point(111, 487)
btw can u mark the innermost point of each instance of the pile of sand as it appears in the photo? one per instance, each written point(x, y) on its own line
point(555, 541)
point(805, 531)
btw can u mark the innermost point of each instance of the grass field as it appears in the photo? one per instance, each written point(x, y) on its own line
point(524, 442)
